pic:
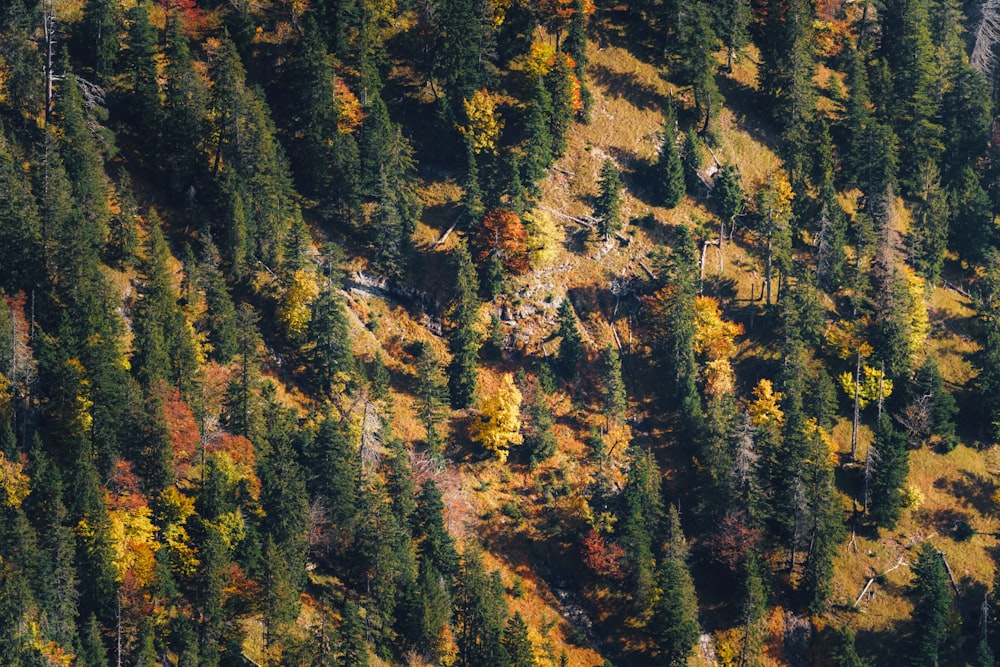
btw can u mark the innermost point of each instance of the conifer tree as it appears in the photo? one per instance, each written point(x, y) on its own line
point(185, 114)
point(463, 341)
point(929, 232)
point(540, 440)
point(695, 63)
point(971, 226)
point(332, 354)
point(434, 543)
point(668, 172)
point(143, 105)
point(559, 83)
point(613, 385)
point(480, 614)
point(731, 21)
point(571, 351)
point(691, 158)
point(353, 648)
point(844, 654)
point(432, 395)
point(607, 206)
point(81, 157)
point(100, 38)
point(642, 513)
point(933, 607)
point(891, 465)
point(335, 471)
point(517, 643)
point(674, 621)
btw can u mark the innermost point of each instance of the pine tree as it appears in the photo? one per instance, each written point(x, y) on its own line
point(971, 226)
point(929, 232)
point(540, 441)
point(934, 608)
point(100, 38)
point(559, 83)
point(694, 64)
point(480, 614)
point(668, 172)
point(431, 395)
point(613, 386)
point(642, 512)
point(674, 621)
point(844, 654)
point(353, 648)
point(434, 543)
point(891, 465)
point(143, 105)
point(463, 341)
point(571, 351)
point(517, 643)
point(607, 206)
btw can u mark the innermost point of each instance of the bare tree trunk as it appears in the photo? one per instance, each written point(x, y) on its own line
point(857, 409)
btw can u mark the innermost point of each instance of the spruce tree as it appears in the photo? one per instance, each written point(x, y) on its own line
point(971, 225)
point(463, 341)
point(674, 621)
point(890, 467)
point(571, 351)
point(608, 205)
point(844, 654)
point(613, 386)
point(431, 395)
point(540, 440)
point(668, 172)
point(934, 610)
point(517, 643)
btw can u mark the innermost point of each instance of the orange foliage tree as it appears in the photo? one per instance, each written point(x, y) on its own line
point(502, 235)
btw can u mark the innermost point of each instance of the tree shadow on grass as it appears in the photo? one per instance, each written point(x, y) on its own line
point(625, 85)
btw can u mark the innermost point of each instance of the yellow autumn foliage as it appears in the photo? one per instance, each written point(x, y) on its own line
point(765, 410)
point(485, 124)
point(920, 324)
point(5, 398)
point(719, 377)
point(499, 426)
point(294, 309)
point(14, 484)
point(133, 537)
point(544, 237)
point(868, 388)
point(714, 337)
point(539, 60)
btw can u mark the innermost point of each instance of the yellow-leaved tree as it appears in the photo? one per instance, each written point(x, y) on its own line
point(872, 383)
point(294, 309)
point(499, 426)
point(485, 124)
point(714, 339)
point(14, 484)
point(765, 410)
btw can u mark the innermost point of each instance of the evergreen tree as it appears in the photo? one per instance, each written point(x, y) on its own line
point(559, 83)
point(571, 351)
point(540, 440)
point(668, 172)
point(971, 226)
point(731, 21)
point(143, 104)
point(692, 159)
point(613, 385)
point(100, 38)
point(480, 614)
point(431, 395)
point(607, 206)
point(334, 465)
point(908, 51)
point(831, 238)
point(642, 512)
point(353, 648)
point(434, 543)
point(463, 341)
point(332, 354)
point(844, 654)
point(929, 231)
point(517, 643)
point(537, 139)
point(987, 359)
point(695, 63)
point(934, 608)
point(674, 621)
point(891, 465)
point(185, 115)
